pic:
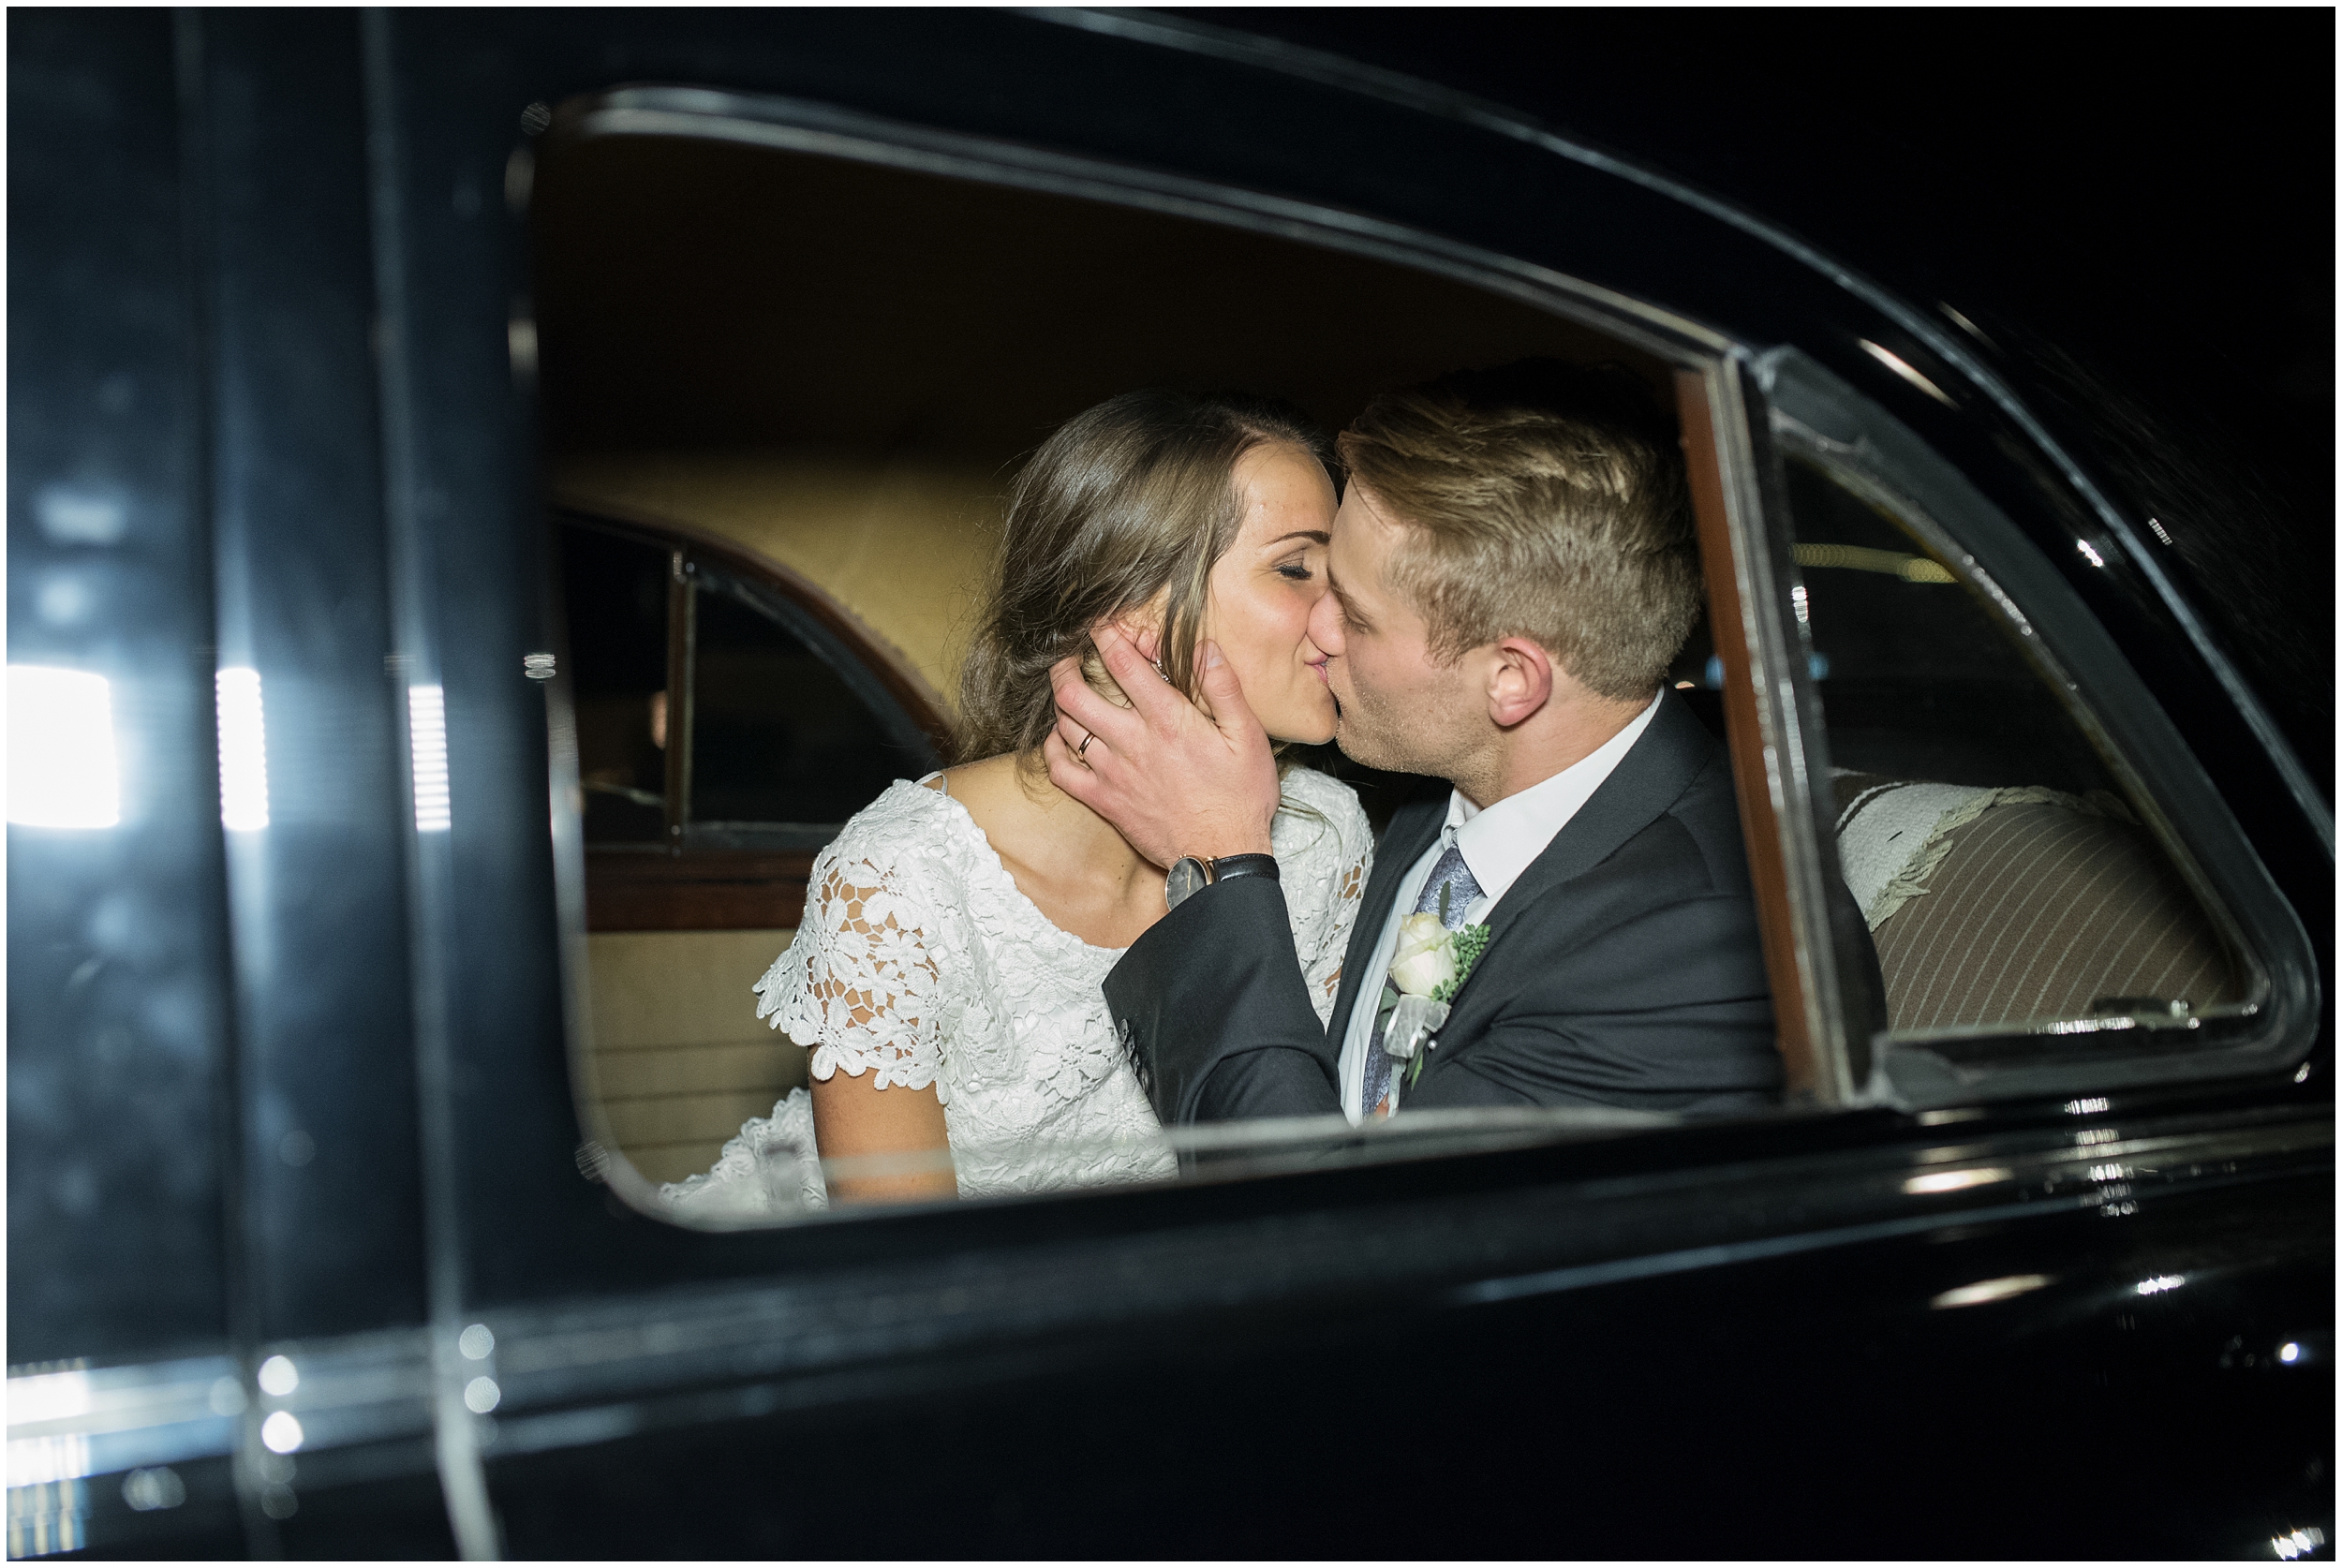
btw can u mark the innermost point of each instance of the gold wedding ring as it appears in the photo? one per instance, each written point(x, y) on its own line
point(1081, 752)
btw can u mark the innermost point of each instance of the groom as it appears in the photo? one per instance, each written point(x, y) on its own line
point(1512, 570)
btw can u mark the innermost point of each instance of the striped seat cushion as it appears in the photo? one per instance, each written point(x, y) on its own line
point(2036, 910)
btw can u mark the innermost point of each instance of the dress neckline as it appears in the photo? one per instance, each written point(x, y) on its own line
point(967, 821)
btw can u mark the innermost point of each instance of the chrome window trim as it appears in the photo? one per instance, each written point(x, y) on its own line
point(70, 1421)
point(594, 1369)
point(365, 1403)
point(1820, 418)
point(825, 130)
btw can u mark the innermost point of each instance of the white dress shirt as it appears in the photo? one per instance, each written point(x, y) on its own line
point(1498, 845)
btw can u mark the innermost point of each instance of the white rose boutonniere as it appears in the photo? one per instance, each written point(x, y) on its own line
point(1427, 967)
point(1423, 961)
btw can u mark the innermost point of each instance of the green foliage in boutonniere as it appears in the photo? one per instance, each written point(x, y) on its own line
point(1464, 948)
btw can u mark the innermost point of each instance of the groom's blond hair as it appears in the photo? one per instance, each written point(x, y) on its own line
point(1541, 500)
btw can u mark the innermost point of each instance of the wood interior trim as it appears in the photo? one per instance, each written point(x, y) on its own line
point(1756, 776)
point(646, 889)
point(682, 681)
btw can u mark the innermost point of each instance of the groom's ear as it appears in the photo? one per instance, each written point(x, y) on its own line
point(1519, 681)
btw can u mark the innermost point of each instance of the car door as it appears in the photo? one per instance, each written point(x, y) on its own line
point(214, 1121)
point(997, 1359)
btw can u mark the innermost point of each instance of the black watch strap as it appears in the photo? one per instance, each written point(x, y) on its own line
point(1188, 876)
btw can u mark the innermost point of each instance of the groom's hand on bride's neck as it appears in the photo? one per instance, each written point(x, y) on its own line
point(1173, 779)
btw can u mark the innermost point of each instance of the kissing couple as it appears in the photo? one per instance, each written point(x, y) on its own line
point(1124, 911)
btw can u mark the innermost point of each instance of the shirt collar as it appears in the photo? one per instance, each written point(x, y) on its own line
point(1499, 843)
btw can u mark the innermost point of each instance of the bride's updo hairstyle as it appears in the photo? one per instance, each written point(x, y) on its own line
point(1128, 502)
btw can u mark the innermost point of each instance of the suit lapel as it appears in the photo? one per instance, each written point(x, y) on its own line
point(1645, 785)
point(1413, 829)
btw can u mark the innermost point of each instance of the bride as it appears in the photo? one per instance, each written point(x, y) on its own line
point(946, 975)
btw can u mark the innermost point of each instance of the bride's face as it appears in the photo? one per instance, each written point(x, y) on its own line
point(1264, 587)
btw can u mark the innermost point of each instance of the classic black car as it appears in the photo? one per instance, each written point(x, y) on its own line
point(488, 494)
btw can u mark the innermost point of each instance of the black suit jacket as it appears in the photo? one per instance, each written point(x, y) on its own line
point(1623, 968)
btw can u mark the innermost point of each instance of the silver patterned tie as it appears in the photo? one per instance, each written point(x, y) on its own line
point(1449, 872)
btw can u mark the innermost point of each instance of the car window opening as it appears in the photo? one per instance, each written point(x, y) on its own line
point(834, 371)
point(783, 400)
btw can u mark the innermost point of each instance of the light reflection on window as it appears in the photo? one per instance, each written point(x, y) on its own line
point(281, 1432)
point(243, 751)
point(39, 1461)
point(48, 1396)
point(63, 769)
point(279, 1376)
point(426, 732)
point(1985, 1291)
point(1953, 1181)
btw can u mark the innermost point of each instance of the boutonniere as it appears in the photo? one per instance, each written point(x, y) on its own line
point(1428, 967)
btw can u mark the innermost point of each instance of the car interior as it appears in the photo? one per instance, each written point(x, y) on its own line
point(2003, 875)
point(781, 396)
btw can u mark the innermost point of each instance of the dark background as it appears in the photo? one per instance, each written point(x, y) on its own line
point(2137, 205)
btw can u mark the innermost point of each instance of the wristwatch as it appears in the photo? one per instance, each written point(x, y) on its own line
point(1189, 875)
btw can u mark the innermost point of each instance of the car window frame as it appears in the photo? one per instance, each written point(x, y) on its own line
point(1742, 412)
point(1812, 414)
point(1743, 407)
point(1772, 721)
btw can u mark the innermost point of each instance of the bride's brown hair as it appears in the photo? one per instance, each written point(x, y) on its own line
point(1128, 501)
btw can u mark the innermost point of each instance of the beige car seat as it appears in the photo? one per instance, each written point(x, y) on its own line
point(1993, 906)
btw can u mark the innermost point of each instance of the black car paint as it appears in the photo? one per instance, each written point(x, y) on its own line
point(288, 236)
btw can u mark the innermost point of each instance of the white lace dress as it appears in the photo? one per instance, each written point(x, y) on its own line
point(911, 921)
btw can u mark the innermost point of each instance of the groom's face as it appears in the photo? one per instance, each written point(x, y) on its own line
point(1400, 709)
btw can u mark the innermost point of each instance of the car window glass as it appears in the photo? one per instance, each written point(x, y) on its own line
point(616, 592)
point(777, 736)
point(2007, 881)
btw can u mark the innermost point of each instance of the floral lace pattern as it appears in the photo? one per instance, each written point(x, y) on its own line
point(921, 961)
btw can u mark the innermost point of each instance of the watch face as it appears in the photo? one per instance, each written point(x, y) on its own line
point(1184, 878)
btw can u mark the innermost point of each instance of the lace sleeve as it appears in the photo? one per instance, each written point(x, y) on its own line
point(861, 984)
point(1326, 848)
